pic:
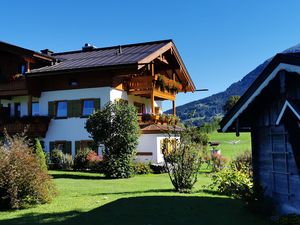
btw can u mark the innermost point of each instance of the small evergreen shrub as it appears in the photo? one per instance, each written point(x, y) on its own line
point(142, 168)
point(23, 181)
point(40, 154)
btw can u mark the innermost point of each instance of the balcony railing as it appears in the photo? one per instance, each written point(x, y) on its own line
point(143, 85)
point(16, 87)
point(33, 126)
point(158, 119)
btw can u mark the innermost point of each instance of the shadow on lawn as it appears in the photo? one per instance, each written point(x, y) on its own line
point(134, 192)
point(86, 176)
point(154, 210)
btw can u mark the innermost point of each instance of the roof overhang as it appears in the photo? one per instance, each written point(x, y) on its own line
point(170, 46)
point(24, 51)
point(279, 63)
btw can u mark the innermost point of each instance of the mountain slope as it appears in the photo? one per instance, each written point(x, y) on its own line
point(204, 110)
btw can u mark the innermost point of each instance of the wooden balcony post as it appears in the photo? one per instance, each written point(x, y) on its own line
point(152, 103)
point(174, 107)
point(29, 107)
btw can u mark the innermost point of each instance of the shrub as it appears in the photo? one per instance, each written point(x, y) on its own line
point(243, 162)
point(218, 162)
point(182, 160)
point(59, 160)
point(197, 136)
point(23, 181)
point(87, 159)
point(158, 169)
point(80, 160)
point(38, 150)
point(142, 168)
point(233, 183)
point(235, 180)
point(116, 126)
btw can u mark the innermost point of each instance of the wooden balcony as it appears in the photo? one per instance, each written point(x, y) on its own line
point(161, 87)
point(35, 126)
point(13, 88)
point(147, 119)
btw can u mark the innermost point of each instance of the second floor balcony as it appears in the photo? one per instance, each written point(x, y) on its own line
point(13, 88)
point(33, 126)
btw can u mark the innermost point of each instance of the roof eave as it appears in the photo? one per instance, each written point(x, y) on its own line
point(278, 63)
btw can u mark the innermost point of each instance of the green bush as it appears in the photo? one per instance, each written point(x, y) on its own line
point(233, 183)
point(59, 160)
point(80, 160)
point(40, 154)
point(235, 180)
point(218, 162)
point(142, 168)
point(87, 159)
point(116, 126)
point(183, 159)
point(243, 162)
point(23, 181)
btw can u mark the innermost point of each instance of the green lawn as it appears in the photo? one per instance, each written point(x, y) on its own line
point(230, 144)
point(86, 199)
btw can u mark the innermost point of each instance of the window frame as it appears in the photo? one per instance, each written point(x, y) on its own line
point(35, 102)
point(82, 106)
point(141, 106)
point(64, 143)
point(56, 110)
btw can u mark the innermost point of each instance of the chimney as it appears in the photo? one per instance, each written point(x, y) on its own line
point(88, 47)
point(47, 52)
point(119, 51)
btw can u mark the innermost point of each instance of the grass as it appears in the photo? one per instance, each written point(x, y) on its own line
point(87, 198)
point(231, 145)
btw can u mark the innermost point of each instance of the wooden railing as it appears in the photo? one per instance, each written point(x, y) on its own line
point(158, 119)
point(13, 85)
point(140, 83)
point(158, 83)
point(35, 126)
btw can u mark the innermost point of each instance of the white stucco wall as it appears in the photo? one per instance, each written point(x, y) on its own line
point(72, 129)
point(151, 143)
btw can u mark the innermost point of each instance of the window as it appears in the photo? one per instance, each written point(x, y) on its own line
point(140, 107)
point(61, 145)
point(35, 109)
point(84, 144)
point(64, 146)
point(17, 110)
point(88, 107)
point(62, 109)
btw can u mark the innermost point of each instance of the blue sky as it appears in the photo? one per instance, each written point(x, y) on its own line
point(220, 41)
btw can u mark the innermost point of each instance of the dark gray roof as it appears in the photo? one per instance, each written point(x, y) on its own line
point(102, 57)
